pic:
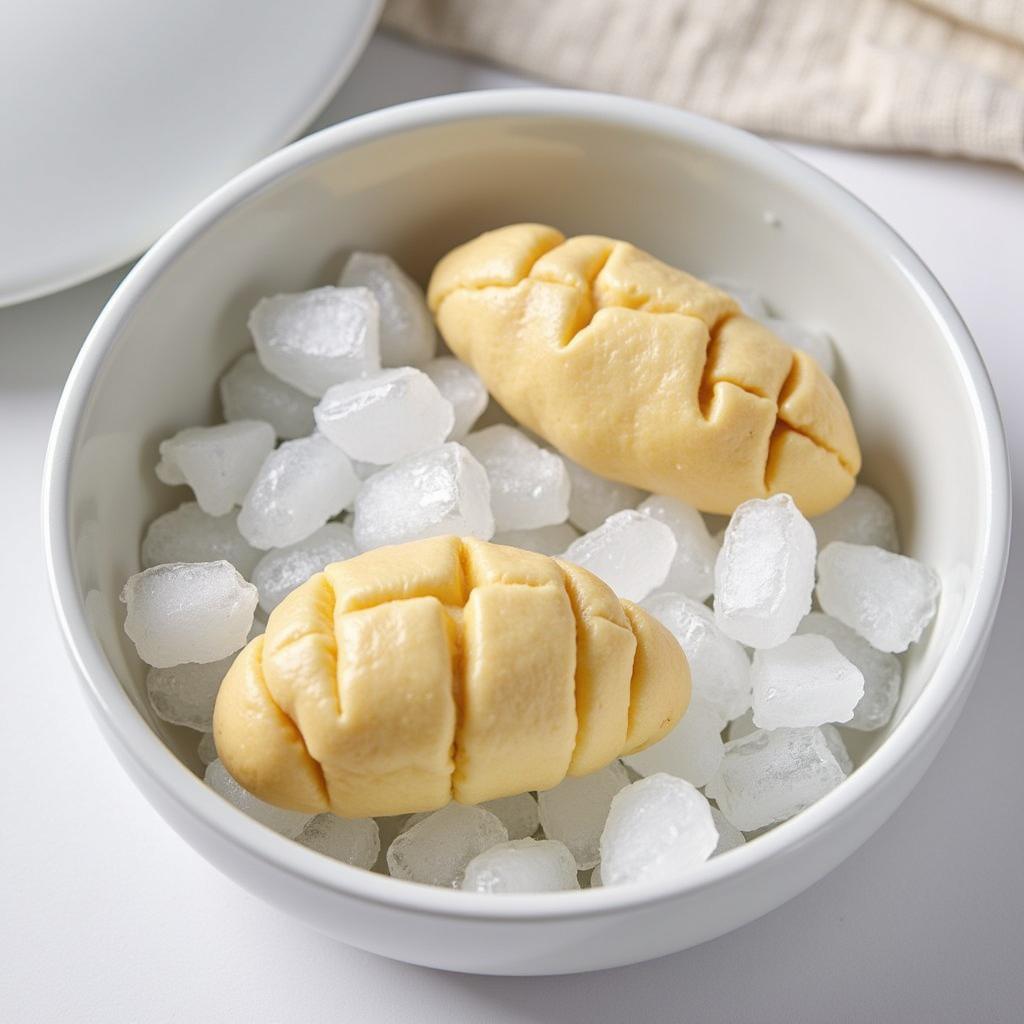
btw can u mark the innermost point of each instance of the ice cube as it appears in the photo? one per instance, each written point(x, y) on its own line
point(592, 499)
point(298, 488)
point(693, 569)
point(529, 485)
point(729, 836)
point(764, 573)
point(385, 416)
point(816, 343)
point(630, 551)
point(719, 666)
point(888, 599)
point(659, 828)
point(218, 463)
point(770, 775)
point(185, 694)
point(691, 751)
point(575, 810)
point(865, 517)
point(188, 534)
point(188, 611)
point(248, 392)
point(547, 540)
point(835, 743)
point(437, 849)
point(441, 491)
point(207, 749)
point(463, 387)
point(882, 672)
point(318, 338)
point(354, 841)
point(281, 570)
point(751, 302)
point(519, 814)
point(413, 819)
point(407, 336)
point(287, 823)
point(522, 865)
point(804, 681)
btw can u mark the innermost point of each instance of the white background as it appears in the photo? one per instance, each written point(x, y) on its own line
point(106, 915)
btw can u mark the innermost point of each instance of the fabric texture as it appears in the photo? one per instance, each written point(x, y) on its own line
point(942, 76)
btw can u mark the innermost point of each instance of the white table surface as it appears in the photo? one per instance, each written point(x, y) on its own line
point(107, 915)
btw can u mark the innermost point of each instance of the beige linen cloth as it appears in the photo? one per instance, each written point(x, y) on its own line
point(945, 76)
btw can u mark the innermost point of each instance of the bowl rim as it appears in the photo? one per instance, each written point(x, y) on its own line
point(934, 709)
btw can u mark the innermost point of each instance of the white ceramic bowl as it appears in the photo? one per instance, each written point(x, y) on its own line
point(413, 181)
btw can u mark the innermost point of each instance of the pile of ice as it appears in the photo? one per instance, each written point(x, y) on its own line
point(346, 431)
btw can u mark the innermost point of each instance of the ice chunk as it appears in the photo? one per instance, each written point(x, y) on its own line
point(519, 814)
point(595, 878)
point(881, 671)
point(287, 823)
point(816, 343)
point(188, 534)
point(691, 751)
point(659, 828)
point(437, 849)
point(441, 491)
point(385, 416)
point(355, 841)
point(835, 743)
point(864, 518)
point(729, 836)
point(547, 540)
point(764, 574)
point(770, 775)
point(463, 387)
point(888, 599)
point(248, 392)
point(188, 611)
point(298, 488)
point(804, 681)
point(185, 694)
point(529, 485)
point(630, 551)
point(693, 569)
point(592, 499)
point(281, 570)
point(719, 667)
point(207, 749)
point(522, 865)
point(318, 338)
point(575, 810)
point(407, 336)
point(751, 302)
point(218, 463)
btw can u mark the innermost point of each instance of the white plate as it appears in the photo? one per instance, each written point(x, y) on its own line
point(118, 116)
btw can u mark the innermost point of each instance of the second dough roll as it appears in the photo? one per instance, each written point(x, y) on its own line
point(443, 669)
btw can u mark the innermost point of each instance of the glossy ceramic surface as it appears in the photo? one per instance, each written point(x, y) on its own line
point(118, 116)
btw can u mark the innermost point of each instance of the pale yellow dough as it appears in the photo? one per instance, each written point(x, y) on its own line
point(642, 373)
point(443, 669)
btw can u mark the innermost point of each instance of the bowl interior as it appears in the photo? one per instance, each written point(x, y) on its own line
point(705, 201)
